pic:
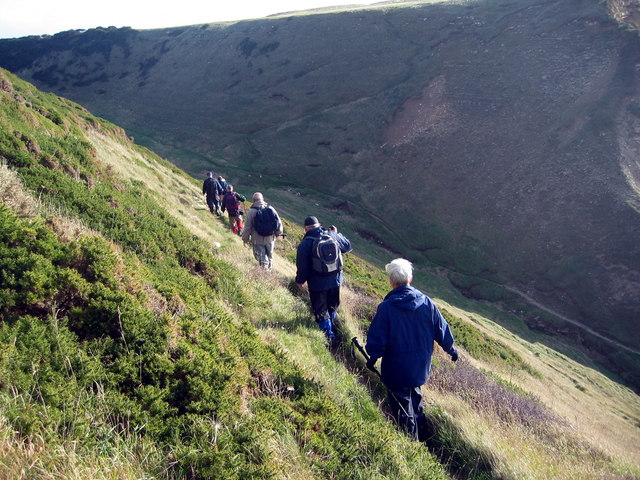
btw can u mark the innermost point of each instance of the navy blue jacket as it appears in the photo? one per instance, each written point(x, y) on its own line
point(318, 281)
point(402, 332)
point(212, 188)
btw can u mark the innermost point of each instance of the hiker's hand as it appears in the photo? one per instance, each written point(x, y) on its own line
point(454, 355)
point(300, 286)
point(371, 363)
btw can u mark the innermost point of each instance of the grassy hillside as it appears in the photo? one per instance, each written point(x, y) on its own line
point(494, 139)
point(140, 340)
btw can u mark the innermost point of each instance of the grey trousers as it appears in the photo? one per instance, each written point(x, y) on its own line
point(264, 254)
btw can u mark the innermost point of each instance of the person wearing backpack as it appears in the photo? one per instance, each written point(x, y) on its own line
point(213, 190)
point(261, 227)
point(231, 202)
point(223, 183)
point(319, 265)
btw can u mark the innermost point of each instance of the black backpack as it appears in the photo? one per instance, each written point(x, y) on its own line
point(266, 221)
point(326, 256)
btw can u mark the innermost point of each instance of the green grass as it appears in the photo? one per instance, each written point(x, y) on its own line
point(486, 348)
point(133, 329)
point(130, 343)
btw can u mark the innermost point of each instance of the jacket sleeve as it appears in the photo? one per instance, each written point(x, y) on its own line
point(303, 262)
point(343, 242)
point(280, 228)
point(442, 331)
point(377, 334)
point(248, 225)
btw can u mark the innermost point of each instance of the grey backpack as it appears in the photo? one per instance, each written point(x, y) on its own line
point(326, 256)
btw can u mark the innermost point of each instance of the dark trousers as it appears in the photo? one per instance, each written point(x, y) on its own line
point(324, 303)
point(213, 203)
point(407, 410)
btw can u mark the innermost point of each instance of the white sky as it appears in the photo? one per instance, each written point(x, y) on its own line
point(19, 18)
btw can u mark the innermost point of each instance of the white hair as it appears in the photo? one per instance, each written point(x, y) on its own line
point(257, 197)
point(400, 271)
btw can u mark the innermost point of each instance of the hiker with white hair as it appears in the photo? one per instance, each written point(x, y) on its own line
point(261, 227)
point(402, 333)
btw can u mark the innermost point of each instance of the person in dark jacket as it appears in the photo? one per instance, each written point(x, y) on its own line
point(232, 203)
point(403, 332)
point(213, 190)
point(324, 288)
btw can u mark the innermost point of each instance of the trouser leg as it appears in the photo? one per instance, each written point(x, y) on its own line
point(268, 252)
point(320, 311)
point(210, 203)
point(233, 222)
point(333, 302)
point(263, 254)
point(407, 410)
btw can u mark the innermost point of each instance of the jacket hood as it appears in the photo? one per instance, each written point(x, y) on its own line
point(314, 232)
point(406, 298)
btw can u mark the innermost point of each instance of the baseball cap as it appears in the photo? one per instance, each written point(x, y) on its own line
point(310, 221)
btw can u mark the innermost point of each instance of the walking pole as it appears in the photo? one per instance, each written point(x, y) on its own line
point(355, 341)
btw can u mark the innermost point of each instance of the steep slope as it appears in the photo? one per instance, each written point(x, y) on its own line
point(126, 346)
point(133, 348)
point(496, 139)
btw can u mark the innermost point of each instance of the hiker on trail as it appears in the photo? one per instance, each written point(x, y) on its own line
point(212, 189)
point(402, 332)
point(261, 227)
point(231, 203)
point(223, 183)
point(319, 264)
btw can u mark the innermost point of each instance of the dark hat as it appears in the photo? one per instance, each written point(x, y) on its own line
point(310, 221)
point(209, 173)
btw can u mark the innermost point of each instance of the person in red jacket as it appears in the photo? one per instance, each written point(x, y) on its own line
point(231, 202)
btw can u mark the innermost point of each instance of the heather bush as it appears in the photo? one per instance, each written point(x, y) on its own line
point(486, 394)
